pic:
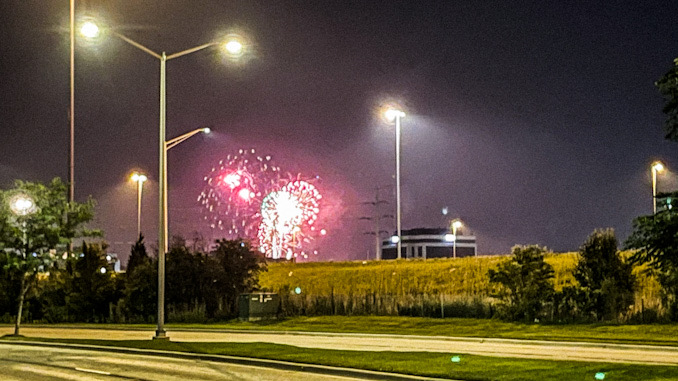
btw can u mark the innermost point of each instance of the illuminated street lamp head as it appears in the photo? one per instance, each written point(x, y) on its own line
point(22, 205)
point(234, 47)
point(392, 113)
point(138, 177)
point(456, 224)
point(657, 166)
point(206, 130)
point(89, 29)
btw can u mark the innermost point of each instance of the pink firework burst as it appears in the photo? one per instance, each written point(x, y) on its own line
point(233, 192)
point(287, 219)
point(247, 196)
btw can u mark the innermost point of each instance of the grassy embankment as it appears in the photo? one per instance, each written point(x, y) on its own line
point(410, 287)
point(427, 364)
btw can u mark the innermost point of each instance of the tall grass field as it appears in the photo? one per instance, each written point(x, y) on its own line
point(435, 287)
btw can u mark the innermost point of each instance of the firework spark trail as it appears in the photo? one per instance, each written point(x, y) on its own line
point(247, 196)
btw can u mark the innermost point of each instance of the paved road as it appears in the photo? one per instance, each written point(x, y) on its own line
point(638, 354)
point(32, 363)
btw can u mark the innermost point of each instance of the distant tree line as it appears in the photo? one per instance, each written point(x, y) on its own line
point(41, 281)
point(200, 285)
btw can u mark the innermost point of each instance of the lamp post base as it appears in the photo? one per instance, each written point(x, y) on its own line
point(161, 335)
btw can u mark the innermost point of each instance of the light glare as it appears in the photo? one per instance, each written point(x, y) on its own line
point(234, 47)
point(89, 30)
point(22, 205)
point(392, 113)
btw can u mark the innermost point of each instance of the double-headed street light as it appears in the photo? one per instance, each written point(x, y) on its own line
point(391, 115)
point(233, 47)
point(139, 179)
point(657, 166)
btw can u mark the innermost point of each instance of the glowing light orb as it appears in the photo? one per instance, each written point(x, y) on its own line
point(22, 205)
point(89, 30)
point(234, 47)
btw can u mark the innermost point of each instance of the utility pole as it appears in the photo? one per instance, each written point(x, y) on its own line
point(377, 217)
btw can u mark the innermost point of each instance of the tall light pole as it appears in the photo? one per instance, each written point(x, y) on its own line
point(657, 166)
point(233, 47)
point(139, 179)
point(393, 114)
point(71, 114)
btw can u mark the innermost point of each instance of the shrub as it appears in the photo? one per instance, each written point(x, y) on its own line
point(525, 283)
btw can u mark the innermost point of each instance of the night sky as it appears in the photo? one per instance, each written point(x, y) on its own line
point(534, 122)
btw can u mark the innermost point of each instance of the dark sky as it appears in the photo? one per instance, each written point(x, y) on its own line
point(533, 121)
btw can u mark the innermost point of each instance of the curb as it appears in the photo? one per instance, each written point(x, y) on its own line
point(246, 361)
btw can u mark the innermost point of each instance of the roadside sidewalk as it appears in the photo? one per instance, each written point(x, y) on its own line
point(549, 350)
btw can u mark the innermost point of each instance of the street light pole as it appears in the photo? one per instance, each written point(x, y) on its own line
point(398, 213)
point(234, 48)
point(393, 114)
point(162, 200)
point(657, 166)
point(71, 156)
point(166, 147)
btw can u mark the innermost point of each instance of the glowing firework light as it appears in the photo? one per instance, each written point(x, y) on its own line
point(234, 189)
point(248, 196)
point(287, 218)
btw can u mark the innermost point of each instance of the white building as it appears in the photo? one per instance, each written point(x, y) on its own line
point(430, 243)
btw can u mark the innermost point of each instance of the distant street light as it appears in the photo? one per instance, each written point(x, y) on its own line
point(22, 205)
point(456, 224)
point(91, 30)
point(394, 114)
point(657, 166)
point(139, 179)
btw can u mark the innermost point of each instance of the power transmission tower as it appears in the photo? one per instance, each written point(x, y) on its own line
point(377, 217)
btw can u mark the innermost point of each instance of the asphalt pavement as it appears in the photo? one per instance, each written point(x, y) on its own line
point(21, 362)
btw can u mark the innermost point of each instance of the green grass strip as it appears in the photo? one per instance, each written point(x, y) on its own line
point(469, 367)
point(649, 334)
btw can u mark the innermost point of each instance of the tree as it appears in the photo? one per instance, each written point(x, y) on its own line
point(141, 280)
point(668, 87)
point(138, 254)
point(241, 266)
point(655, 238)
point(92, 287)
point(525, 283)
point(32, 240)
point(605, 280)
